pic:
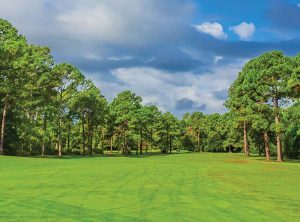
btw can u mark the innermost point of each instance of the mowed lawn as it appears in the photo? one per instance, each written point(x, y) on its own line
point(182, 187)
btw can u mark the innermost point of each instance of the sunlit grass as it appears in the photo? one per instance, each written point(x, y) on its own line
point(184, 187)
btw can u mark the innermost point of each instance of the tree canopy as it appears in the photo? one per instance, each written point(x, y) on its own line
point(52, 109)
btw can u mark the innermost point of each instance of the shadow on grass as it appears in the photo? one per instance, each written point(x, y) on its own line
point(273, 159)
point(107, 155)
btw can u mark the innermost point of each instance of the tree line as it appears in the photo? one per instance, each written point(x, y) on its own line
point(52, 109)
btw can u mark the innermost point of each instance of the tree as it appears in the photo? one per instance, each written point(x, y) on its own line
point(67, 80)
point(230, 132)
point(142, 123)
point(291, 122)
point(91, 107)
point(37, 92)
point(123, 108)
point(238, 102)
point(261, 122)
point(197, 126)
point(270, 75)
point(12, 48)
point(168, 130)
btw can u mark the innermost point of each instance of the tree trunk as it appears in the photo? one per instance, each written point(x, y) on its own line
point(69, 132)
point(3, 126)
point(198, 141)
point(141, 142)
point(125, 144)
point(59, 136)
point(278, 139)
point(43, 148)
point(83, 136)
point(44, 136)
point(59, 148)
point(91, 141)
point(267, 147)
point(170, 144)
point(111, 145)
point(56, 145)
point(246, 148)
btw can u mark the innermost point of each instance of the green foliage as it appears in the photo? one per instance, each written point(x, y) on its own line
point(52, 109)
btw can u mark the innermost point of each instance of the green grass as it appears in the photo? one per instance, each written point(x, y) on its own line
point(187, 187)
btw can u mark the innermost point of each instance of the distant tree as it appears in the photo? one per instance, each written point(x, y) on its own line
point(123, 108)
point(168, 130)
point(67, 80)
point(91, 108)
point(197, 124)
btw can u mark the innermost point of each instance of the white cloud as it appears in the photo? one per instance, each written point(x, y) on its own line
point(214, 29)
point(244, 30)
point(218, 58)
point(90, 23)
point(164, 88)
point(124, 22)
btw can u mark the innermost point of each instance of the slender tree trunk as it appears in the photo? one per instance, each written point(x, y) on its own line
point(125, 143)
point(91, 140)
point(69, 132)
point(44, 136)
point(111, 145)
point(141, 142)
point(170, 144)
point(278, 139)
point(267, 147)
point(59, 137)
point(91, 144)
point(83, 136)
point(59, 148)
point(151, 139)
point(198, 141)
point(246, 148)
point(43, 147)
point(3, 125)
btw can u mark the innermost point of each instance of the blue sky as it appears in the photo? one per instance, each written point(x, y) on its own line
point(181, 55)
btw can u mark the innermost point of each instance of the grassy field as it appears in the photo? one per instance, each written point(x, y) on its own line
point(186, 187)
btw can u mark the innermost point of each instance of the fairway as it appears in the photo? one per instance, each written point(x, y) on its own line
point(185, 187)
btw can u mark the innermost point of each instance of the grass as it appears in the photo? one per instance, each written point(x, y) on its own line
point(186, 187)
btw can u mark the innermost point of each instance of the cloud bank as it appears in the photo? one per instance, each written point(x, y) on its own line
point(154, 47)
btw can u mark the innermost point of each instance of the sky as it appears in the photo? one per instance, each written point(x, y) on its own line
point(181, 55)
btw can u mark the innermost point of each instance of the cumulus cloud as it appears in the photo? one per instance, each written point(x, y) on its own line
point(244, 30)
point(148, 46)
point(180, 92)
point(214, 29)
